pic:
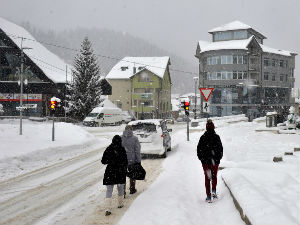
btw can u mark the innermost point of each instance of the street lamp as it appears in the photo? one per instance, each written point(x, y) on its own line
point(142, 103)
point(195, 102)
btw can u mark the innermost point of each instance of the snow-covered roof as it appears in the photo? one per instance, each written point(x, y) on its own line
point(192, 94)
point(124, 68)
point(219, 45)
point(235, 25)
point(275, 51)
point(107, 104)
point(238, 44)
point(53, 67)
point(100, 109)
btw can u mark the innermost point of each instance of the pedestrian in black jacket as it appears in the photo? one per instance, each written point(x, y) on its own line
point(115, 173)
point(210, 152)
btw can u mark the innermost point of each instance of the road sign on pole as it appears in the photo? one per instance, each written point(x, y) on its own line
point(206, 107)
point(206, 92)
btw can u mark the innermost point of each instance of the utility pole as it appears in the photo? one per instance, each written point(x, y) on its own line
point(195, 102)
point(21, 83)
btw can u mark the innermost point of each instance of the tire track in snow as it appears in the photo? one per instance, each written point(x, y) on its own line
point(35, 203)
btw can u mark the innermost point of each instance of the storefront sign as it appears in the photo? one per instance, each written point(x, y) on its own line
point(16, 97)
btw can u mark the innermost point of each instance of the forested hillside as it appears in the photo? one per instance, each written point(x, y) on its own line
point(110, 46)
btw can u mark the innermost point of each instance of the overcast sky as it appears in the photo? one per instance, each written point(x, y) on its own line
point(174, 25)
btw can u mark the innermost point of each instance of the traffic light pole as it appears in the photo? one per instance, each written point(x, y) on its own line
point(53, 128)
point(187, 129)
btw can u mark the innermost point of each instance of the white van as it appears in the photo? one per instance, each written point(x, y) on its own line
point(102, 116)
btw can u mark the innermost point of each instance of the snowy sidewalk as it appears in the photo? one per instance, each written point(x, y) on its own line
point(268, 192)
point(178, 194)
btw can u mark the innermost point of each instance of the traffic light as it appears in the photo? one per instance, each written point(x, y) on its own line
point(187, 108)
point(53, 105)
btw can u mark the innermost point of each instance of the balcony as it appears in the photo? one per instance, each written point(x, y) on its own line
point(144, 109)
point(254, 67)
point(140, 96)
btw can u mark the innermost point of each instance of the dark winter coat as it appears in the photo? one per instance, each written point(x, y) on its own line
point(116, 159)
point(132, 146)
point(210, 149)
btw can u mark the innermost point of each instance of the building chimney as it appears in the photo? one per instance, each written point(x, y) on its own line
point(134, 70)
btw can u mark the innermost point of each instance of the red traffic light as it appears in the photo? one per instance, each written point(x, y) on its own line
point(186, 103)
point(53, 105)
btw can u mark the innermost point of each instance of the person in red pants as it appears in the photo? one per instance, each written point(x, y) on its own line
point(210, 152)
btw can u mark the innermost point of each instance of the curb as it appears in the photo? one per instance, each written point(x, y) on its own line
point(238, 206)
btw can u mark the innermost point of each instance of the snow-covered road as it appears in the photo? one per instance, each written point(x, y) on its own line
point(31, 196)
point(63, 185)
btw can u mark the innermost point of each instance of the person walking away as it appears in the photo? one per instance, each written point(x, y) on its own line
point(210, 152)
point(133, 150)
point(115, 173)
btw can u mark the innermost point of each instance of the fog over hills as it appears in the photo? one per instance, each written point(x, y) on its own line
point(112, 45)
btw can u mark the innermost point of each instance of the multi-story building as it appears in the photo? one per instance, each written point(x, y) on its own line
point(244, 72)
point(142, 86)
point(44, 73)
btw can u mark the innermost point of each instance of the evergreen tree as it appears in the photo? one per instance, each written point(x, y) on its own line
point(85, 90)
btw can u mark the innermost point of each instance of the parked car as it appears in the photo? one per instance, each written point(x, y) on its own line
point(153, 135)
point(102, 116)
point(126, 117)
point(170, 120)
point(179, 119)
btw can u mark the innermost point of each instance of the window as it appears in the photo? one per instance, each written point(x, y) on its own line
point(123, 68)
point(281, 63)
point(223, 59)
point(229, 59)
point(266, 62)
point(218, 59)
point(145, 77)
point(292, 72)
point(274, 62)
point(214, 60)
point(214, 75)
point(234, 59)
point(147, 103)
point(240, 75)
point(229, 75)
point(245, 75)
point(221, 36)
point(273, 77)
point(240, 34)
point(245, 59)
point(223, 75)
point(253, 76)
point(234, 74)
point(208, 60)
point(240, 59)
point(219, 76)
point(281, 77)
point(266, 76)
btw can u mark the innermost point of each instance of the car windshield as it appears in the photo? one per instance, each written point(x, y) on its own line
point(92, 114)
point(148, 127)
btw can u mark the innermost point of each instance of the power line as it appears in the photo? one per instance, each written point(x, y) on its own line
point(102, 56)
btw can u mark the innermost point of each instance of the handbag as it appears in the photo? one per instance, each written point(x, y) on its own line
point(136, 172)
